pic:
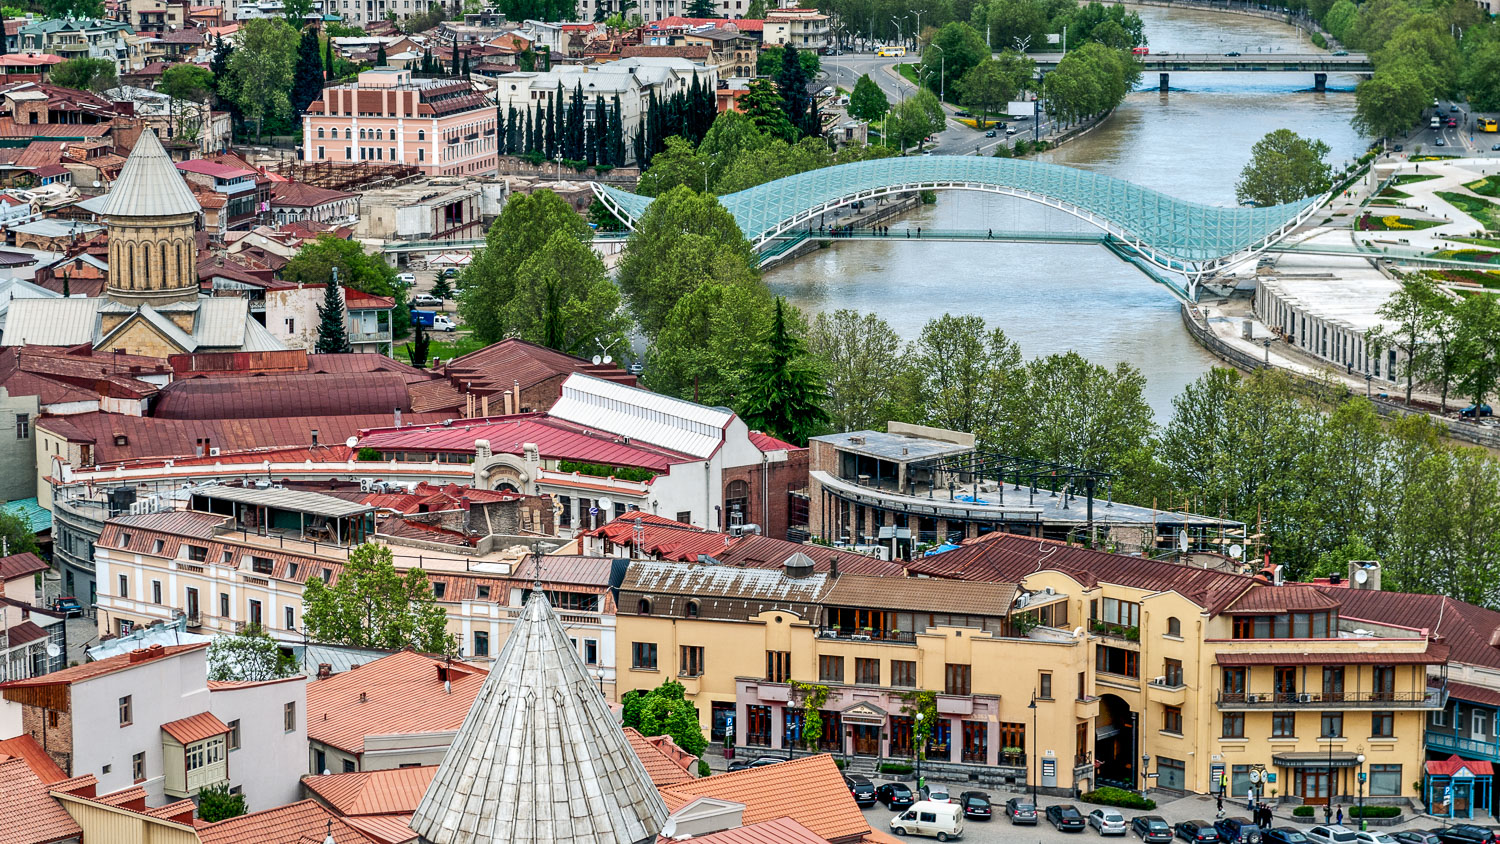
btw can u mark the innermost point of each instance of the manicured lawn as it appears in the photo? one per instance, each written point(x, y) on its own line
point(1412, 178)
point(1485, 187)
point(1478, 241)
point(448, 349)
point(1486, 212)
point(1392, 222)
point(1394, 194)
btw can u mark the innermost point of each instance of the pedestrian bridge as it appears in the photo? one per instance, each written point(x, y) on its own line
point(1173, 234)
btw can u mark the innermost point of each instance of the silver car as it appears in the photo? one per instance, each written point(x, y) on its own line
point(1107, 821)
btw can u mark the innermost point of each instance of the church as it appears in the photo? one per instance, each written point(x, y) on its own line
point(151, 305)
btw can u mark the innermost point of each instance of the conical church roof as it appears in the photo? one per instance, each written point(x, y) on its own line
point(540, 759)
point(149, 185)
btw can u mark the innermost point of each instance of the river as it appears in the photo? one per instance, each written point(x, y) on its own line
point(1191, 143)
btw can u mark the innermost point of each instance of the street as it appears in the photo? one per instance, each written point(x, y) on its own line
point(1463, 140)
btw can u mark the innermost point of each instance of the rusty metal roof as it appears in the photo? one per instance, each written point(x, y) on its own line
point(921, 595)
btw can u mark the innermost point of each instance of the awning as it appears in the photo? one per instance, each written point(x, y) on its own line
point(1314, 759)
point(863, 712)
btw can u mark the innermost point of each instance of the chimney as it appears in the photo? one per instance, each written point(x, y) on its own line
point(364, 698)
point(1335, 579)
point(138, 655)
point(833, 567)
point(1364, 574)
point(324, 671)
point(484, 405)
point(510, 404)
point(155, 651)
point(398, 417)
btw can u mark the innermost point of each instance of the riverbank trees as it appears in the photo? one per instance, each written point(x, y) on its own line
point(1090, 80)
point(1284, 167)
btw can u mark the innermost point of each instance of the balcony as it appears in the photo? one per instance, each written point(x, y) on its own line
point(1086, 707)
point(1449, 743)
point(884, 637)
point(1238, 701)
point(1159, 690)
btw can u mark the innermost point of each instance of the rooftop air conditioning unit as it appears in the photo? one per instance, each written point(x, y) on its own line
point(213, 452)
point(1159, 681)
point(1304, 698)
point(1252, 698)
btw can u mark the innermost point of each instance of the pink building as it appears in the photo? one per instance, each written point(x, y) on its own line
point(443, 126)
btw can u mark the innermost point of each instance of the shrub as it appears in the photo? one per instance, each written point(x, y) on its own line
point(599, 470)
point(1302, 811)
point(368, 454)
point(895, 768)
point(1109, 796)
point(703, 769)
point(1374, 812)
point(1320, 41)
point(841, 764)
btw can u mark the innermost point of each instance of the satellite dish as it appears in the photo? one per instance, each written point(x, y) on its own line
point(1236, 551)
point(603, 504)
point(96, 183)
point(1182, 541)
point(1360, 575)
point(53, 649)
point(352, 442)
point(598, 360)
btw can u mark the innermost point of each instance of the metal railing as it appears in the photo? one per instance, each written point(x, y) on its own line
point(1428, 699)
point(1449, 742)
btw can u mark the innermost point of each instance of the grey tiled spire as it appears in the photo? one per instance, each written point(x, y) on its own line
point(149, 185)
point(540, 758)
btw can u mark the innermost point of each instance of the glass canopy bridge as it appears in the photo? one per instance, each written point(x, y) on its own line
point(1190, 239)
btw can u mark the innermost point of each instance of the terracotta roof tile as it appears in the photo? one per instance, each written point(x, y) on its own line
point(779, 831)
point(303, 822)
point(400, 693)
point(809, 790)
point(195, 727)
point(388, 792)
point(24, 747)
point(91, 670)
point(125, 796)
point(386, 829)
point(28, 814)
point(662, 766)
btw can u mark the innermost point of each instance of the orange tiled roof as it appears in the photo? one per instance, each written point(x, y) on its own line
point(401, 694)
point(661, 765)
point(386, 829)
point(24, 747)
point(28, 814)
point(779, 831)
point(388, 792)
point(195, 727)
point(809, 790)
point(294, 823)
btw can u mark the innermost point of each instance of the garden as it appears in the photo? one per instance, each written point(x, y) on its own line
point(1394, 222)
point(1485, 212)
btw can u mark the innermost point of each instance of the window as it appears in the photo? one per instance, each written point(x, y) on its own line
point(138, 766)
point(320, 762)
point(685, 516)
point(1170, 773)
point(866, 671)
point(1118, 661)
point(289, 716)
point(54, 718)
point(484, 593)
point(1044, 685)
point(956, 679)
point(1239, 780)
point(125, 711)
point(348, 766)
point(421, 134)
point(903, 673)
point(481, 643)
point(830, 669)
point(197, 553)
point(643, 607)
point(691, 609)
point(1333, 725)
point(255, 613)
point(1172, 671)
point(758, 726)
point(1333, 683)
point(778, 666)
point(590, 652)
point(320, 132)
point(691, 661)
point(224, 604)
point(1440, 718)
point(124, 586)
point(156, 591)
point(1383, 724)
point(1234, 725)
point(23, 426)
point(1234, 683)
point(1171, 719)
point(439, 589)
point(1120, 613)
point(643, 655)
point(1283, 725)
point(204, 753)
point(1174, 627)
point(1385, 780)
point(234, 734)
point(261, 565)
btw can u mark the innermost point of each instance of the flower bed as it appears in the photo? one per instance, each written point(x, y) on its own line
point(1393, 222)
point(1108, 796)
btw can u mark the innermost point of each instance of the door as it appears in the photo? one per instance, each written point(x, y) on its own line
point(866, 740)
point(1314, 786)
point(192, 604)
point(1286, 683)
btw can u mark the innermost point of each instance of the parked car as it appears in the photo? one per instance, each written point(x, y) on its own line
point(1021, 810)
point(1197, 832)
point(1152, 829)
point(1065, 816)
point(407, 278)
point(1107, 821)
point(1465, 833)
point(962, 113)
point(1417, 836)
point(976, 805)
point(1233, 53)
point(427, 300)
point(1494, 147)
point(762, 761)
point(451, 272)
point(68, 605)
point(990, 133)
point(1237, 831)
point(861, 789)
point(895, 795)
point(1469, 413)
point(1332, 834)
point(1373, 838)
point(1397, 148)
point(938, 820)
point(1283, 835)
point(935, 794)
point(739, 765)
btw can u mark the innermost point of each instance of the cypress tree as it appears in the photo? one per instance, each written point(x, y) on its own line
point(466, 66)
point(513, 139)
point(307, 80)
point(616, 135)
point(551, 124)
point(638, 144)
point(600, 132)
point(791, 81)
point(560, 119)
point(530, 133)
point(333, 337)
point(380, 60)
point(2, 52)
point(327, 62)
point(455, 57)
point(576, 125)
point(500, 137)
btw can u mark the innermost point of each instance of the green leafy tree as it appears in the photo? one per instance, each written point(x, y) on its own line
point(989, 85)
point(1284, 167)
point(954, 49)
point(1340, 19)
point(1479, 347)
point(701, 9)
point(251, 655)
point(419, 347)
point(860, 358)
point(568, 302)
point(1406, 322)
point(1007, 21)
point(216, 803)
point(677, 165)
point(372, 605)
point(69, 8)
point(1424, 43)
point(665, 711)
point(307, 81)
point(261, 69)
point(296, 11)
point(1481, 77)
point(782, 395)
point(756, 10)
point(1063, 409)
point(917, 117)
point(763, 104)
point(768, 62)
point(84, 74)
point(1390, 102)
point(711, 335)
point(493, 279)
point(187, 82)
point(18, 536)
point(957, 372)
point(333, 332)
point(314, 263)
point(868, 102)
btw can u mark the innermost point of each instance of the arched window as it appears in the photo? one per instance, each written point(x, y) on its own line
point(346, 133)
point(320, 133)
point(643, 608)
point(692, 609)
point(168, 280)
point(379, 134)
point(1174, 627)
point(737, 502)
point(421, 134)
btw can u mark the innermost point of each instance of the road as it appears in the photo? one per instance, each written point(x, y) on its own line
point(1463, 140)
point(956, 139)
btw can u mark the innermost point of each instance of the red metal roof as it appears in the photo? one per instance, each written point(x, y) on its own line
point(303, 195)
point(1474, 694)
point(213, 168)
point(497, 367)
point(766, 442)
point(300, 394)
point(1450, 766)
point(555, 439)
point(21, 565)
point(91, 670)
point(1471, 631)
point(195, 728)
point(1265, 598)
point(1435, 653)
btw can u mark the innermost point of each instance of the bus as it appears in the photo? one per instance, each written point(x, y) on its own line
point(1488, 125)
point(1141, 51)
point(891, 51)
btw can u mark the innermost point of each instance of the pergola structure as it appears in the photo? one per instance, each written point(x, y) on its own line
point(970, 469)
point(1183, 237)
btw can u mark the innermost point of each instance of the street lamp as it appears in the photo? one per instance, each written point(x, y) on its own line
point(1036, 749)
point(1363, 824)
point(1267, 344)
point(942, 78)
point(921, 749)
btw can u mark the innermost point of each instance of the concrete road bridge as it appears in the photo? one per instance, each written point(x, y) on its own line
point(1186, 238)
point(1318, 64)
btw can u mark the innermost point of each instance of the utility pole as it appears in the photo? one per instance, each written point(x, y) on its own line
point(917, 35)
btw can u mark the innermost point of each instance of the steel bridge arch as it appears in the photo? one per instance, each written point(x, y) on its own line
point(1176, 235)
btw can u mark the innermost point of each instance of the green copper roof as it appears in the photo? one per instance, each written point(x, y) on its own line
point(1172, 232)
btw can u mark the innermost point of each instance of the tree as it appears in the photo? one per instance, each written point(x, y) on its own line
point(709, 337)
point(18, 536)
point(782, 395)
point(84, 74)
point(296, 11)
point(419, 347)
point(1481, 77)
point(57, 9)
point(380, 59)
point(1284, 167)
point(333, 332)
point(1063, 409)
point(1424, 43)
point(568, 302)
point(701, 9)
point(957, 375)
point(791, 82)
point(1479, 347)
point(217, 803)
point(249, 655)
point(1390, 102)
point(756, 10)
point(372, 605)
point(307, 81)
point(441, 288)
point(868, 102)
point(664, 710)
point(987, 87)
point(187, 82)
point(315, 262)
point(678, 164)
point(954, 50)
point(763, 104)
point(1406, 320)
point(918, 116)
point(859, 356)
point(526, 224)
point(261, 69)
point(328, 72)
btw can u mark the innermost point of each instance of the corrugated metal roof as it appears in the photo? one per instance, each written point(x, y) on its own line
point(809, 790)
point(301, 394)
point(556, 439)
point(51, 322)
point(921, 595)
point(1468, 629)
point(723, 582)
point(642, 415)
point(149, 184)
point(1266, 598)
point(36, 517)
point(1379, 652)
point(286, 499)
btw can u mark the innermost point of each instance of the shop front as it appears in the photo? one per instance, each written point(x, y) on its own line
point(1458, 788)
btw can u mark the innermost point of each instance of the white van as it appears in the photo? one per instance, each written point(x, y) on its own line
point(942, 821)
point(442, 322)
point(1434, 123)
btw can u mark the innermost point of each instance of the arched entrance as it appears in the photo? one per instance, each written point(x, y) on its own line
point(1116, 743)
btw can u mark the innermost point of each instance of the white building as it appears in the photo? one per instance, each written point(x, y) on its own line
point(805, 29)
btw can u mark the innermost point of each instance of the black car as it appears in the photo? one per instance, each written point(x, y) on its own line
point(1232, 53)
point(1197, 832)
point(739, 765)
point(990, 133)
point(861, 789)
point(1066, 817)
point(1466, 833)
point(976, 805)
point(1284, 835)
point(762, 761)
point(1417, 836)
point(1021, 810)
point(895, 795)
point(1153, 829)
point(1237, 831)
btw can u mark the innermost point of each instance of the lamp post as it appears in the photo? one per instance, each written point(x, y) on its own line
point(1267, 344)
point(920, 750)
point(942, 77)
point(1036, 749)
point(1363, 824)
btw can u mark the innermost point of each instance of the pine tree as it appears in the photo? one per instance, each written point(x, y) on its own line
point(333, 336)
point(791, 81)
point(307, 81)
point(616, 135)
point(327, 62)
point(380, 60)
point(416, 350)
point(756, 10)
point(782, 392)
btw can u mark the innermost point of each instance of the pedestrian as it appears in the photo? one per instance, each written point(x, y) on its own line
point(919, 231)
point(1328, 812)
point(991, 235)
point(1339, 817)
point(1219, 804)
